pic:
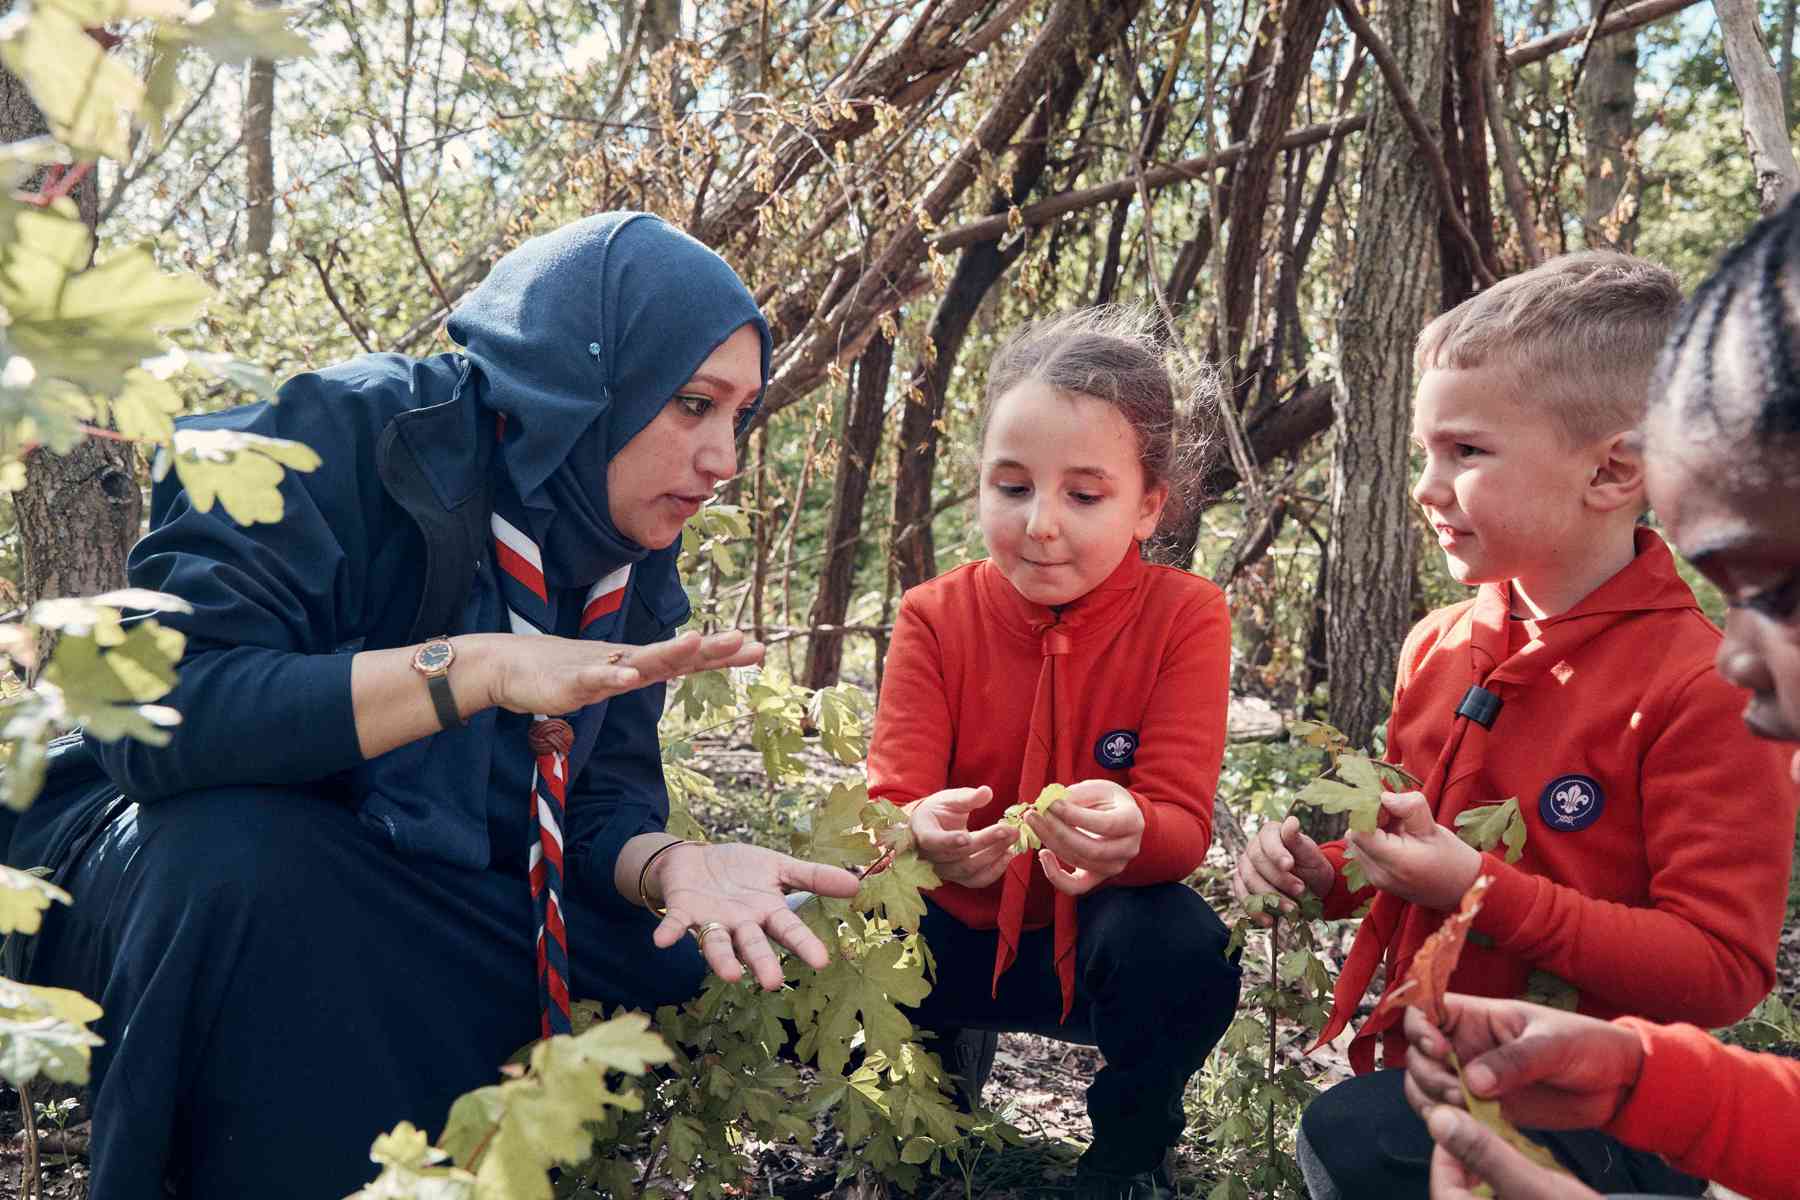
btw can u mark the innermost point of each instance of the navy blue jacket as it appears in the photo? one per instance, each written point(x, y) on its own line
point(386, 544)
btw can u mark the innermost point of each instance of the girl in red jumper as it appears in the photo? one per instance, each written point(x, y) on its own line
point(1723, 471)
point(1065, 658)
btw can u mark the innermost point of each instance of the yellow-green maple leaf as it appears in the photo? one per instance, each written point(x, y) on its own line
point(24, 898)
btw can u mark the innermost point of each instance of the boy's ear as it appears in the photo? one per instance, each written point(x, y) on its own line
point(1150, 512)
point(1618, 480)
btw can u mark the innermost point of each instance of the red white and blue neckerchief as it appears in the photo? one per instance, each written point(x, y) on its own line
point(531, 608)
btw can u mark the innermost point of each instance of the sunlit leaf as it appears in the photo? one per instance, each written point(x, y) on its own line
point(84, 93)
point(236, 31)
point(24, 897)
point(43, 1031)
point(241, 471)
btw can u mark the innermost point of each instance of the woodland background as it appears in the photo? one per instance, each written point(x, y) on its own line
point(1293, 186)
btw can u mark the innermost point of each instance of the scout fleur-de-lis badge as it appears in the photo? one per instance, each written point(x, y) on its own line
point(1571, 803)
point(1116, 749)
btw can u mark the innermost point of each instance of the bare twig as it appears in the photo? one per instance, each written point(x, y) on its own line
point(331, 295)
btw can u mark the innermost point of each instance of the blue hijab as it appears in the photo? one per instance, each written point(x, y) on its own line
point(580, 337)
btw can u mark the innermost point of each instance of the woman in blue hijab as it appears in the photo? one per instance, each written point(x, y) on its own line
point(416, 800)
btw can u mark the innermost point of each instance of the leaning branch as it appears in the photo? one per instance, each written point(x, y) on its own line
point(1426, 144)
point(1765, 118)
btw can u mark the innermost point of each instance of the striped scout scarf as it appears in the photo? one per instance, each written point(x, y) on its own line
point(532, 608)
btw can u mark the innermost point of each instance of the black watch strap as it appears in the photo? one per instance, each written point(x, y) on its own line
point(443, 699)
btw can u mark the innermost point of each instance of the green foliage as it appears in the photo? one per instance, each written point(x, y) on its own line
point(1489, 826)
point(1027, 841)
point(86, 343)
point(1253, 1089)
point(24, 898)
point(1360, 784)
point(734, 1077)
point(500, 1142)
point(1771, 1025)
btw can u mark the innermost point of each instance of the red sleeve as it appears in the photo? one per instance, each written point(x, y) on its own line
point(1181, 744)
point(1714, 800)
point(909, 752)
point(1713, 1110)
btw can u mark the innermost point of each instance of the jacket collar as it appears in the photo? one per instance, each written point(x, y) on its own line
point(1648, 583)
point(436, 465)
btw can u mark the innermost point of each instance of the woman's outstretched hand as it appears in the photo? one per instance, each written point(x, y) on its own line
point(1089, 835)
point(530, 674)
point(737, 894)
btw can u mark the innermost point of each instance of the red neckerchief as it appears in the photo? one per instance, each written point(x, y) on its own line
point(1049, 757)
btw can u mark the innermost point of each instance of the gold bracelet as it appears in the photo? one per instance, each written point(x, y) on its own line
point(661, 910)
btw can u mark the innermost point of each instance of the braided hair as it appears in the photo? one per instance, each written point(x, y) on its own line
point(1748, 307)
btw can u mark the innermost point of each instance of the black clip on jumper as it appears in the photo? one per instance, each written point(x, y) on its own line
point(1479, 705)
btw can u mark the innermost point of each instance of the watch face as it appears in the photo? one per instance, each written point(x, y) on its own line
point(433, 656)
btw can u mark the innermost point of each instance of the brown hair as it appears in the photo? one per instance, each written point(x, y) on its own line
point(1580, 335)
point(1111, 353)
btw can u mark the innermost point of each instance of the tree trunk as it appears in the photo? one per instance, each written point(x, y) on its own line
point(1784, 59)
point(1608, 97)
point(1463, 107)
point(78, 512)
point(1765, 122)
point(1393, 280)
point(843, 533)
point(259, 157)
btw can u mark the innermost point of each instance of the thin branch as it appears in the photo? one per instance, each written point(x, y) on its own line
point(1422, 138)
point(1188, 170)
point(331, 295)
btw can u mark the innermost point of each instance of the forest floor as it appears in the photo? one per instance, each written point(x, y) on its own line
point(1037, 1084)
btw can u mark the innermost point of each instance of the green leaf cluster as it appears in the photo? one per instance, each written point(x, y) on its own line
point(500, 1142)
point(1027, 841)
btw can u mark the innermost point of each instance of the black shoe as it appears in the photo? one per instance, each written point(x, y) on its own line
point(1094, 1182)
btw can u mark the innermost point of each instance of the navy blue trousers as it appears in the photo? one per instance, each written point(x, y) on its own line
point(1153, 990)
point(280, 987)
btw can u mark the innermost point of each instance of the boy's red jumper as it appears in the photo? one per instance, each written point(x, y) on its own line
point(1655, 868)
point(1128, 683)
point(1715, 1111)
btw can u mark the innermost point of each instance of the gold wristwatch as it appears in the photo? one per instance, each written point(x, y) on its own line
point(432, 660)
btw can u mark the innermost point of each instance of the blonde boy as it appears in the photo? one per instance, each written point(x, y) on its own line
point(1579, 681)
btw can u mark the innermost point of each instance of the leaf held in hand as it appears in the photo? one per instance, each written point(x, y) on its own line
point(1489, 826)
point(1428, 978)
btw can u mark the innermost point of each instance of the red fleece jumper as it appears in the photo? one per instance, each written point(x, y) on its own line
point(1716, 1111)
point(1655, 870)
point(1128, 683)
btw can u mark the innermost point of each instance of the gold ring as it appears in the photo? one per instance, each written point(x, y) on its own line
point(616, 657)
point(700, 931)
